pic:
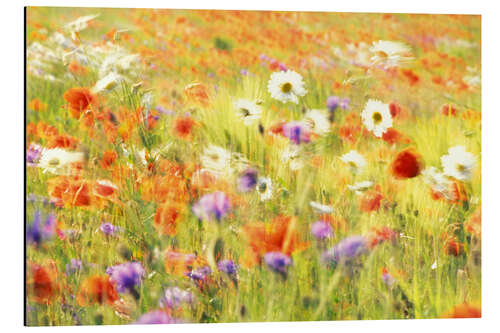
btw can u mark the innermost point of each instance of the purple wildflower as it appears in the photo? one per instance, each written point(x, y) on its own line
point(248, 180)
point(74, 266)
point(38, 232)
point(108, 229)
point(33, 154)
point(174, 297)
point(199, 274)
point(227, 266)
point(277, 261)
point(282, 67)
point(344, 103)
point(321, 230)
point(297, 132)
point(244, 71)
point(156, 317)
point(346, 250)
point(332, 103)
point(215, 204)
point(387, 278)
point(164, 111)
point(127, 275)
point(262, 56)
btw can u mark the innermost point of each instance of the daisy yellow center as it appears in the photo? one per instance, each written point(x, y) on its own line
point(352, 164)
point(54, 162)
point(245, 112)
point(461, 168)
point(382, 54)
point(262, 187)
point(214, 157)
point(286, 87)
point(377, 117)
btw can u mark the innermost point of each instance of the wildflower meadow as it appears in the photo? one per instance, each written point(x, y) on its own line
point(202, 166)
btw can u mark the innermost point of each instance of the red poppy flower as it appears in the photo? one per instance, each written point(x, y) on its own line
point(452, 247)
point(104, 188)
point(41, 282)
point(407, 164)
point(448, 110)
point(393, 136)
point(395, 109)
point(183, 127)
point(464, 310)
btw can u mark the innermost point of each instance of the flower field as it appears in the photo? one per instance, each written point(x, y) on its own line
point(196, 166)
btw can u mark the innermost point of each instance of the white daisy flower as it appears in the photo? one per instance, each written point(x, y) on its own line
point(286, 86)
point(320, 208)
point(217, 160)
point(58, 160)
point(247, 110)
point(390, 54)
point(59, 39)
point(377, 117)
point(292, 156)
point(355, 160)
point(107, 83)
point(80, 23)
point(459, 163)
point(147, 100)
point(438, 181)
point(360, 186)
point(264, 188)
point(318, 121)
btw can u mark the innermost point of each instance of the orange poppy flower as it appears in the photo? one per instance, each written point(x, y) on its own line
point(75, 68)
point(381, 234)
point(407, 164)
point(179, 263)
point(37, 105)
point(69, 191)
point(464, 310)
point(473, 224)
point(471, 115)
point(108, 158)
point(281, 235)
point(350, 132)
point(79, 100)
point(63, 141)
point(338, 223)
point(97, 289)
point(166, 218)
point(197, 92)
point(164, 188)
point(370, 201)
